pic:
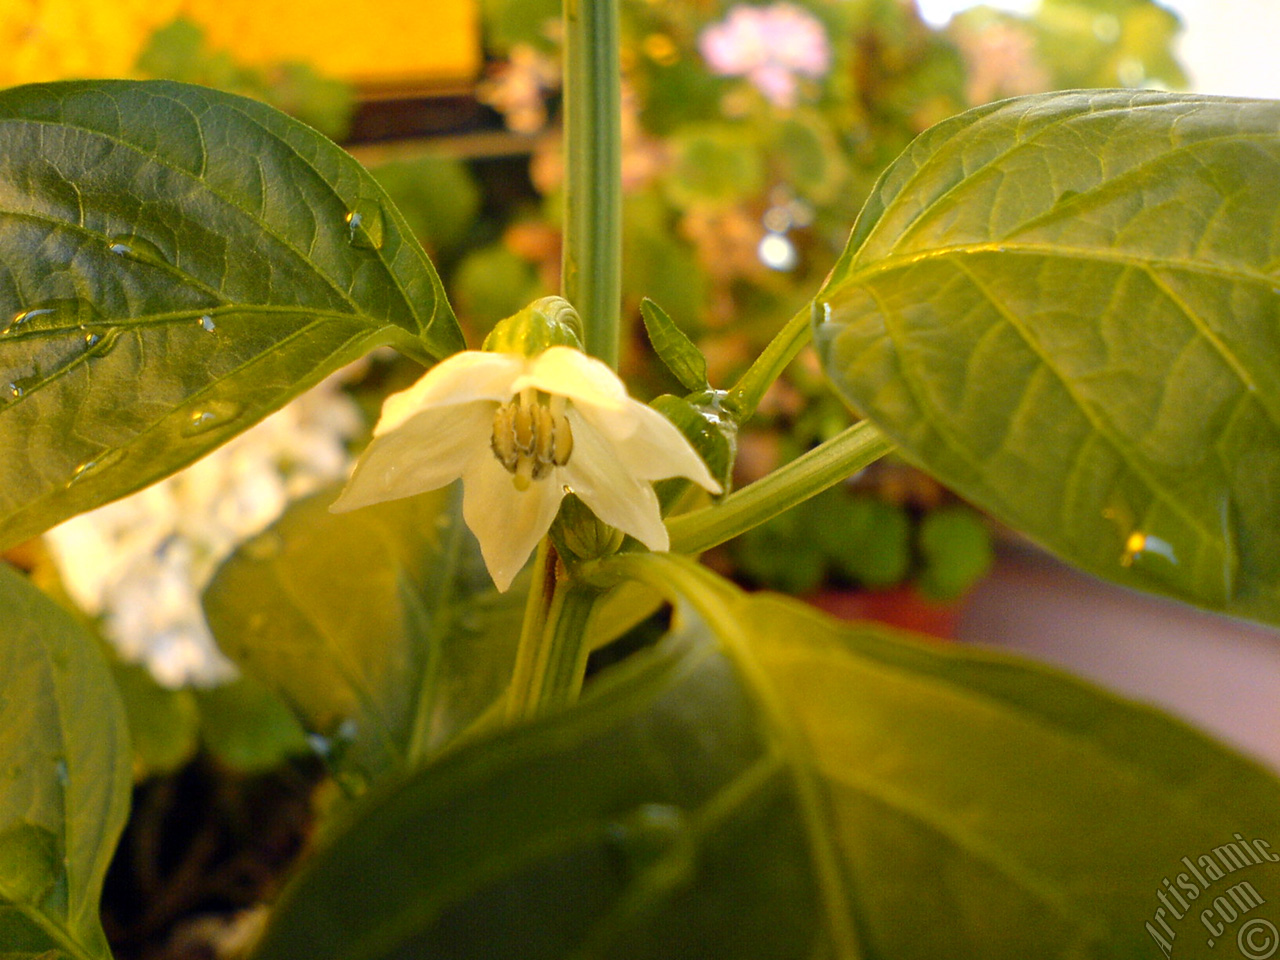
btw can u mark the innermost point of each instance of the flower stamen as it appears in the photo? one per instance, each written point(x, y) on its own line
point(531, 436)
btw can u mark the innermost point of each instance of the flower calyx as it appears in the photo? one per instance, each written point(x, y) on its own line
point(545, 323)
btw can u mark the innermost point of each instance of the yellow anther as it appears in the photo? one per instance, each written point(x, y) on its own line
point(530, 437)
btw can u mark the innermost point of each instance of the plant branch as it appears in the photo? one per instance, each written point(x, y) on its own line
point(806, 476)
point(592, 257)
point(745, 395)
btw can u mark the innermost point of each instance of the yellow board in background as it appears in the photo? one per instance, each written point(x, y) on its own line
point(385, 44)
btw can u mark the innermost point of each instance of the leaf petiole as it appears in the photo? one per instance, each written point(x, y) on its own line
point(808, 475)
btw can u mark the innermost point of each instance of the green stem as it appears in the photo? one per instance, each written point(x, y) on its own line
point(551, 659)
point(592, 258)
point(521, 695)
point(564, 663)
point(809, 474)
point(746, 394)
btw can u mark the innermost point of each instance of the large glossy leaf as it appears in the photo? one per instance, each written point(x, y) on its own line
point(64, 777)
point(380, 627)
point(1068, 308)
point(175, 263)
point(780, 785)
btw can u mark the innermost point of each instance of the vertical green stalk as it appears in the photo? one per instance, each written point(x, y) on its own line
point(522, 695)
point(592, 261)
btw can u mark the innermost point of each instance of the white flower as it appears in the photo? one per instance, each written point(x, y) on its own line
point(521, 433)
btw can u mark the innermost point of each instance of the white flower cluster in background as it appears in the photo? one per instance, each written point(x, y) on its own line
point(141, 563)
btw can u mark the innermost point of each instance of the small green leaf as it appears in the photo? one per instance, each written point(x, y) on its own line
point(779, 786)
point(176, 263)
point(64, 777)
point(381, 627)
point(1067, 307)
point(674, 348)
point(708, 423)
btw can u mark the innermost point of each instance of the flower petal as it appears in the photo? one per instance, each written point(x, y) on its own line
point(462, 378)
point(507, 522)
point(610, 488)
point(426, 452)
point(571, 373)
point(649, 445)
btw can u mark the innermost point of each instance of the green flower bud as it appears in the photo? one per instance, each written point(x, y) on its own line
point(581, 535)
point(545, 323)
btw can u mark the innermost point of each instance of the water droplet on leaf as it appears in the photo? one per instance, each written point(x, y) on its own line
point(67, 313)
point(138, 249)
point(22, 317)
point(95, 466)
point(1141, 544)
point(365, 225)
point(210, 416)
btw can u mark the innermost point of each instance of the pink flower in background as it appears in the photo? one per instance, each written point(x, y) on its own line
point(770, 46)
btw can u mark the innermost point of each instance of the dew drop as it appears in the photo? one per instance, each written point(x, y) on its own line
point(210, 416)
point(365, 225)
point(100, 342)
point(19, 319)
point(1139, 544)
point(65, 313)
point(19, 388)
point(138, 249)
point(95, 466)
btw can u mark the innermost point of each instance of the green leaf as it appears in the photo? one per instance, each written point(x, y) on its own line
point(64, 777)
point(164, 724)
point(681, 356)
point(769, 783)
point(247, 726)
point(1067, 307)
point(708, 421)
point(380, 627)
point(175, 263)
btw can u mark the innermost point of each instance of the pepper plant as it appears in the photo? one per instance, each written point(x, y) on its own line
point(1065, 306)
